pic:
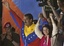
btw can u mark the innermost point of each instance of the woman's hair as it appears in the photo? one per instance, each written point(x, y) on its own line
point(50, 30)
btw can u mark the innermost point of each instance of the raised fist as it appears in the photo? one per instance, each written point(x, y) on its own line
point(7, 5)
point(40, 16)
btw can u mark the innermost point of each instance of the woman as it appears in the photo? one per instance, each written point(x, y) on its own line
point(45, 35)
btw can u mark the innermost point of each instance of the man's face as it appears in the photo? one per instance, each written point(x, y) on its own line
point(27, 21)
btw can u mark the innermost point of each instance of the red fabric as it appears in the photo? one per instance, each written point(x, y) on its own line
point(18, 19)
point(42, 41)
point(21, 42)
point(35, 43)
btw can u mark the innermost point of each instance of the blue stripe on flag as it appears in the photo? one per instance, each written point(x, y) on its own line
point(14, 19)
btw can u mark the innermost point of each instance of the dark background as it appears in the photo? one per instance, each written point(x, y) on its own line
point(0, 8)
point(0, 16)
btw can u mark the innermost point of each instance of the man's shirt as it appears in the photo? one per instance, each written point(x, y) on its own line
point(29, 30)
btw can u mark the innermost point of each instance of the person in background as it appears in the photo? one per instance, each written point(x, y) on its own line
point(15, 37)
point(8, 39)
point(60, 9)
point(59, 18)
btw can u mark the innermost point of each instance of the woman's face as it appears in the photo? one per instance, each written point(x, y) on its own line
point(45, 30)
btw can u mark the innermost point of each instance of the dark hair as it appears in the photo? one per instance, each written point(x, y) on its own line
point(12, 29)
point(47, 26)
point(50, 31)
point(61, 1)
point(29, 16)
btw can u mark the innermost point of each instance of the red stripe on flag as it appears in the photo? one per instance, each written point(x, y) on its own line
point(18, 19)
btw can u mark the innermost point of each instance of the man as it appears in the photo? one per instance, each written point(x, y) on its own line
point(28, 36)
point(27, 33)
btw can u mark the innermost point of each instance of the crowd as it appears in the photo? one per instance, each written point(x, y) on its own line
point(33, 33)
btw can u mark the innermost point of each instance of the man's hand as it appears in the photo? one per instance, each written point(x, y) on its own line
point(7, 5)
